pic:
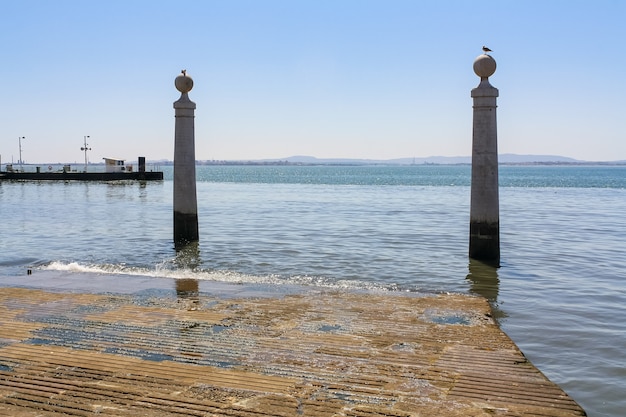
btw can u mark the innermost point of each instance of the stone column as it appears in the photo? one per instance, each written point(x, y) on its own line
point(484, 209)
point(185, 200)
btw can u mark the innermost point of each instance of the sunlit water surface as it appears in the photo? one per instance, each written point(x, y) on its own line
point(560, 291)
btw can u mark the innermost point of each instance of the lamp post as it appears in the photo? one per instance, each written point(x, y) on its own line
point(20, 142)
point(85, 148)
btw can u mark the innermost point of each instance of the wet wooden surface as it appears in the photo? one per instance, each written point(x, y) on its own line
point(317, 354)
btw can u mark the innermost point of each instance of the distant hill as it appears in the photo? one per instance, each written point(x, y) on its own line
point(506, 158)
point(509, 158)
point(442, 160)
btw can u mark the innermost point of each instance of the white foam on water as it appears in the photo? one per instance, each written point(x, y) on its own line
point(230, 277)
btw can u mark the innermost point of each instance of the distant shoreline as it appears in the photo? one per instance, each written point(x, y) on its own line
point(355, 163)
point(287, 163)
point(305, 160)
point(347, 164)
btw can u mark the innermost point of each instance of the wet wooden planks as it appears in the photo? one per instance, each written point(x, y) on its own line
point(317, 354)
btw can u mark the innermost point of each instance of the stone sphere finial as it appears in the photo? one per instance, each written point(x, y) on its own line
point(183, 82)
point(484, 66)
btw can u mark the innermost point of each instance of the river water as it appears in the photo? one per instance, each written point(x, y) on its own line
point(559, 294)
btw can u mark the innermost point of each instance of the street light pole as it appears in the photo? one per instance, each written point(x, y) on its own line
point(85, 148)
point(20, 142)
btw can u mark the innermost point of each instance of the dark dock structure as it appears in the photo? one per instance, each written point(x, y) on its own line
point(115, 171)
point(82, 176)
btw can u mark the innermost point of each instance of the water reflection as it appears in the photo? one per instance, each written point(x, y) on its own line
point(187, 289)
point(188, 297)
point(484, 281)
point(188, 294)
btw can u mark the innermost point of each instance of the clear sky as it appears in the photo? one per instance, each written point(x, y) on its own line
point(375, 79)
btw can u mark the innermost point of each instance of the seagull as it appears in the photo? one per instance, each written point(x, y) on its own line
point(485, 49)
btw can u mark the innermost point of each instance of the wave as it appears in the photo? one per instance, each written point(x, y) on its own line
point(230, 277)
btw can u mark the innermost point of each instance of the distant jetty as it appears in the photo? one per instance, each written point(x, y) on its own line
point(115, 170)
point(82, 176)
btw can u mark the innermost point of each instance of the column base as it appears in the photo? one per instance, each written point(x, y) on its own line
point(484, 242)
point(185, 228)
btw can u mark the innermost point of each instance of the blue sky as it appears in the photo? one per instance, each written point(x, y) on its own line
point(332, 79)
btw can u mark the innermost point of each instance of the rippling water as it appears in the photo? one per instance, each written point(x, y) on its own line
point(560, 292)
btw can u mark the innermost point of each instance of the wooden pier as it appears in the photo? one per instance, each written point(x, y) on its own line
point(317, 353)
